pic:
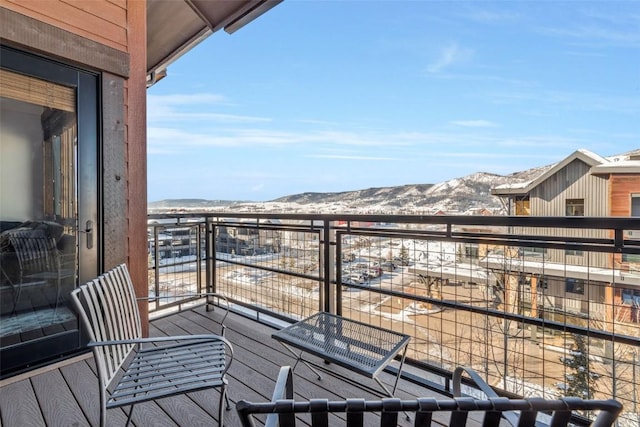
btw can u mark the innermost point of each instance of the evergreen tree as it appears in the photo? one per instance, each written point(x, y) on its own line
point(581, 381)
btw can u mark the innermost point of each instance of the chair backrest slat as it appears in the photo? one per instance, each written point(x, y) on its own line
point(114, 317)
point(560, 418)
point(109, 311)
point(355, 412)
point(319, 409)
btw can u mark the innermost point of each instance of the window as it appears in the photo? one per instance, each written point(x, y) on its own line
point(532, 252)
point(574, 286)
point(573, 252)
point(631, 297)
point(471, 251)
point(543, 283)
point(522, 206)
point(574, 207)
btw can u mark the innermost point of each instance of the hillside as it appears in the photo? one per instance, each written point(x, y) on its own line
point(469, 194)
point(460, 195)
point(472, 192)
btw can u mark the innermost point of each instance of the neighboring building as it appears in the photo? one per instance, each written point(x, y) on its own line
point(238, 240)
point(574, 281)
point(73, 80)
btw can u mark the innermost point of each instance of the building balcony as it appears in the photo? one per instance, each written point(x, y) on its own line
point(542, 307)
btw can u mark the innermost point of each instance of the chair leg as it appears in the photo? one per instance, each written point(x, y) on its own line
point(129, 416)
point(223, 398)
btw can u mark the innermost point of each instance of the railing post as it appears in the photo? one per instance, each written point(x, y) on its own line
point(338, 271)
point(156, 266)
point(198, 258)
point(328, 263)
point(210, 258)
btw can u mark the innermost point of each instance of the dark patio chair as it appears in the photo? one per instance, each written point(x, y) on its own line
point(132, 369)
point(283, 409)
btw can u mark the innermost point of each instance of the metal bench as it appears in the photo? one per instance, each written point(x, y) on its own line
point(284, 411)
point(133, 369)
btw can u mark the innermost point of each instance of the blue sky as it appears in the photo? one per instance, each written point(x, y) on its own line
point(328, 96)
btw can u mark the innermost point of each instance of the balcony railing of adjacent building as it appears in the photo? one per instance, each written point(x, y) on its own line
point(540, 306)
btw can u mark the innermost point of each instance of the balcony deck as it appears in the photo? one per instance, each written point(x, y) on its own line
point(68, 394)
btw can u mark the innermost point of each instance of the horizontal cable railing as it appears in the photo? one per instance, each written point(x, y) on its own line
point(539, 306)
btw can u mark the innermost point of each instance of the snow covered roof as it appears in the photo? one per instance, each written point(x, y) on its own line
point(598, 165)
point(624, 166)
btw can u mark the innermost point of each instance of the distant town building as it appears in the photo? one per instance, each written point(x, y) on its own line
point(542, 281)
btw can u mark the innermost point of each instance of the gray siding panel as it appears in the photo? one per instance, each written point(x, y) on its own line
point(549, 199)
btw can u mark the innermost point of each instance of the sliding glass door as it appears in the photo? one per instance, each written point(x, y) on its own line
point(49, 224)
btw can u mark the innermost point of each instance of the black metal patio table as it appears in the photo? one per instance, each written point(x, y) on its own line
point(358, 346)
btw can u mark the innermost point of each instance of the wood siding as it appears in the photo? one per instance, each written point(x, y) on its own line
point(622, 187)
point(103, 21)
point(114, 173)
point(136, 151)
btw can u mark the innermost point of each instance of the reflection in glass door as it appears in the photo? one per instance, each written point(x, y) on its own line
point(40, 244)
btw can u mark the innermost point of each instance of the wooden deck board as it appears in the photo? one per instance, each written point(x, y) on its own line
point(69, 395)
point(56, 399)
point(19, 406)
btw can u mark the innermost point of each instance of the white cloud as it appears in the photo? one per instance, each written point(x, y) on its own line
point(475, 123)
point(491, 16)
point(350, 157)
point(449, 55)
point(192, 107)
point(594, 33)
point(185, 99)
point(179, 138)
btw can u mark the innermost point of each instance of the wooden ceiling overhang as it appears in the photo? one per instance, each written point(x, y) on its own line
point(176, 26)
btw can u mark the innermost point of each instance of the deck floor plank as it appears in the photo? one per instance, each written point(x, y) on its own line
point(19, 405)
point(83, 384)
point(69, 394)
point(59, 406)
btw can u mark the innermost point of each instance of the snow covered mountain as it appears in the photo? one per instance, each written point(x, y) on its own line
point(469, 194)
point(466, 195)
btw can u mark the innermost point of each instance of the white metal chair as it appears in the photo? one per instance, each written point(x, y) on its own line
point(133, 369)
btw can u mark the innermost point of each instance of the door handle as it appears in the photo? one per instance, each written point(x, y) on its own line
point(88, 230)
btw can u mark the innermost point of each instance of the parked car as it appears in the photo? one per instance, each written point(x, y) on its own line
point(358, 279)
point(388, 266)
point(374, 272)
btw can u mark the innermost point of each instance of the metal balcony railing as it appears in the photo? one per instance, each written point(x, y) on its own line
point(540, 306)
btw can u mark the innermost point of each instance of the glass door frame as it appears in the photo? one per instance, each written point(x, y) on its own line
point(89, 238)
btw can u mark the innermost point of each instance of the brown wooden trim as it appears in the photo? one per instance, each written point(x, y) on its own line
point(24, 32)
point(136, 137)
point(114, 182)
